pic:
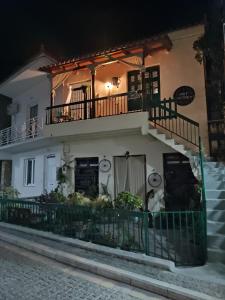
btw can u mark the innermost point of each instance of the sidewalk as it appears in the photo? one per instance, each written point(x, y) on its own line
point(153, 274)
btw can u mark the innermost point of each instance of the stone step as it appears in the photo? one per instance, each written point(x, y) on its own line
point(216, 241)
point(217, 177)
point(215, 227)
point(216, 215)
point(218, 204)
point(216, 255)
point(214, 164)
point(215, 194)
point(215, 185)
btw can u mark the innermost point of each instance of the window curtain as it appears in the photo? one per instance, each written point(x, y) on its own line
point(121, 175)
point(136, 175)
point(58, 80)
point(130, 175)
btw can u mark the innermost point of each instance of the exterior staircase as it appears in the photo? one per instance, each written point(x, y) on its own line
point(214, 173)
point(164, 126)
point(215, 203)
point(181, 148)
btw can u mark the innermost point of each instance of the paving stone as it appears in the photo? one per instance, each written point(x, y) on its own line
point(22, 278)
point(179, 279)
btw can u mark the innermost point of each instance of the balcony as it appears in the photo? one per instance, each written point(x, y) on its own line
point(96, 108)
point(28, 131)
point(121, 112)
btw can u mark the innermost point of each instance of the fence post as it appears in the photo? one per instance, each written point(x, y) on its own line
point(204, 210)
point(146, 243)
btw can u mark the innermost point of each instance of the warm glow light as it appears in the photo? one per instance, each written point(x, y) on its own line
point(108, 85)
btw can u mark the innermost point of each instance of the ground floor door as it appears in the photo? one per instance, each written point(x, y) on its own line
point(180, 192)
point(5, 173)
point(50, 171)
point(130, 175)
point(87, 176)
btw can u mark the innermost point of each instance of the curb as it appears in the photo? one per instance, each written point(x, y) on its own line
point(125, 255)
point(138, 281)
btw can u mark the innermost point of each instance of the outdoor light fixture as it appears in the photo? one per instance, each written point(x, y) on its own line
point(116, 81)
point(127, 154)
point(108, 85)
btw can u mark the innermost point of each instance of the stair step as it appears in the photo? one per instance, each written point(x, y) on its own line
point(215, 194)
point(170, 142)
point(216, 255)
point(216, 215)
point(216, 241)
point(214, 185)
point(214, 164)
point(153, 131)
point(215, 227)
point(217, 204)
point(218, 177)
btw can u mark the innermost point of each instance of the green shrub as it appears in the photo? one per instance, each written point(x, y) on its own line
point(9, 192)
point(103, 201)
point(127, 200)
point(78, 199)
point(53, 197)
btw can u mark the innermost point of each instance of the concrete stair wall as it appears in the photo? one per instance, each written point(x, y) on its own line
point(214, 173)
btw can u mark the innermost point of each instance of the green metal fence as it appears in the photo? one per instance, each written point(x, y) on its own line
point(177, 236)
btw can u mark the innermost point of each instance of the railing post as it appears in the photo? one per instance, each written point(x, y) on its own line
point(146, 243)
point(204, 209)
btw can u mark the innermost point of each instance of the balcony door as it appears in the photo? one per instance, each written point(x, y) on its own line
point(80, 95)
point(152, 87)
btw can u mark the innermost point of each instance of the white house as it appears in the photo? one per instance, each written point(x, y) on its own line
point(128, 118)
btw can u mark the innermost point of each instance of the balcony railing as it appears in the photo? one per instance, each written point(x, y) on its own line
point(96, 108)
point(30, 129)
point(162, 113)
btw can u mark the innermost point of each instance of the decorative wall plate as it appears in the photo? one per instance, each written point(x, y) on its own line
point(104, 165)
point(184, 95)
point(154, 179)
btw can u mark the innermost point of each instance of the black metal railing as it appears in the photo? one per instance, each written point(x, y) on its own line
point(176, 236)
point(95, 108)
point(164, 114)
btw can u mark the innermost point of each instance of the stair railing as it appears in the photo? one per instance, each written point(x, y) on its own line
point(164, 114)
point(203, 195)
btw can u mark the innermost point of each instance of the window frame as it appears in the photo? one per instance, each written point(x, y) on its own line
point(26, 172)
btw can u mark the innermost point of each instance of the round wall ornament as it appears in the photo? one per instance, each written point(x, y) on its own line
point(184, 95)
point(104, 165)
point(154, 179)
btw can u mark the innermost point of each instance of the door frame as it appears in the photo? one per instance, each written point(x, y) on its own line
point(87, 157)
point(45, 177)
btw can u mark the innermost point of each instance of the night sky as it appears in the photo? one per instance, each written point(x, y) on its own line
point(69, 28)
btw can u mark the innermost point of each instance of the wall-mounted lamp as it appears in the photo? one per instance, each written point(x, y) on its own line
point(108, 85)
point(127, 154)
point(116, 81)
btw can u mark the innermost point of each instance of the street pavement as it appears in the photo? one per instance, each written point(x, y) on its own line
point(27, 276)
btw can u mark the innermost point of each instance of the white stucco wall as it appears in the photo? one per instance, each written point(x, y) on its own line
point(101, 147)
point(37, 94)
point(39, 182)
point(112, 146)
